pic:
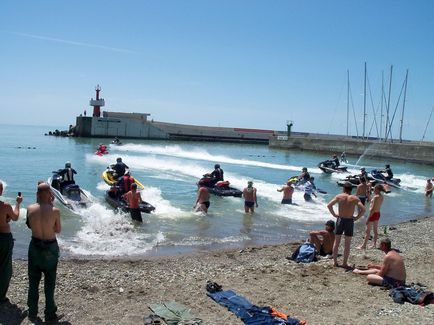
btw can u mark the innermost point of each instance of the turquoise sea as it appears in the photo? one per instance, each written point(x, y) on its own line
point(169, 171)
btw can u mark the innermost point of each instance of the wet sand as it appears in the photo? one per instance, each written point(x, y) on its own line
point(119, 291)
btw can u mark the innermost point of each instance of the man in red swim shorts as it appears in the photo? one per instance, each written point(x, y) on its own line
point(374, 216)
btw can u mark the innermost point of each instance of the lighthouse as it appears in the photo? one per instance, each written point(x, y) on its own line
point(97, 103)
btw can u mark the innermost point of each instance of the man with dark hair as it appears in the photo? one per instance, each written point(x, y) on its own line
point(6, 243)
point(363, 191)
point(44, 221)
point(134, 199)
point(347, 203)
point(324, 239)
point(120, 167)
point(217, 174)
point(389, 274)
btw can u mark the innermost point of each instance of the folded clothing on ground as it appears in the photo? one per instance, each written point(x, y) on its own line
point(251, 314)
point(175, 313)
point(414, 295)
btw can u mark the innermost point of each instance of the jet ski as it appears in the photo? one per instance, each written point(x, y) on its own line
point(381, 179)
point(220, 188)
point(328, 167)
point(71, 196)
point(101, 153)
point(117, 202)
point(109, 178)
point(116, 142)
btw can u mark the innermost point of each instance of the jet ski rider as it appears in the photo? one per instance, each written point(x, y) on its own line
point(335, 161)
point(304, 176)
point(387, 171)
point(67, 175)
point(119, 168)
point(217, 174)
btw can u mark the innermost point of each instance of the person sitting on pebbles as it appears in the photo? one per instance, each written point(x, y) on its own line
point(389, 274)
point(324, 239)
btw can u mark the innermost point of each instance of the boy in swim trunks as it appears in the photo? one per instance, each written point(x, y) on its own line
point(202, 199)
point(391, 273)
point(347, 204)
point(363, 191)
point(249, 194)
point(287, 190)
point(374, 216)
point(324, 239)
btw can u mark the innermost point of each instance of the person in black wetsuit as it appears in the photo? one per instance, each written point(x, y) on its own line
point(305, 176)
point(67, 174)
point(335, 161)
point(217, 174)
point(387, 171)
point(120, 168)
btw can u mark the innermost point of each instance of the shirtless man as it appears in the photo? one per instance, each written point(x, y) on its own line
point(134, 199)
point(363, 191)
point(6, 243)
point(44, 221)
point(249, 194)
point(389, 274)
point(347, 203)
point(202, 200)
point(324, 245)
point(428, 188)
point(374, 216)
point(287, 190)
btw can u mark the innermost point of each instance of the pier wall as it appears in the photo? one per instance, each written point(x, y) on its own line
point(412, 151)
point(117, 127)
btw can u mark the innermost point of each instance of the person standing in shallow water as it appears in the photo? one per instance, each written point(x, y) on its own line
point(347, 204)
point(429, 188)
point(287, 190)
point(6, 243)
point(249, 194)
point(44, 221)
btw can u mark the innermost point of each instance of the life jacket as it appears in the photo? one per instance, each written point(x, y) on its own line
point(127, 181)
point(68, 176)
point(306, 253)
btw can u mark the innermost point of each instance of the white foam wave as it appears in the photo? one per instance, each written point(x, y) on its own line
point(303, 211)
point(106, 233)
point(200, 154)
point(164, 208)
point(198, 241)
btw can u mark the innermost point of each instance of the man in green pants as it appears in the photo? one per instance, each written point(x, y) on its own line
point(44, 221)
point(6, 243)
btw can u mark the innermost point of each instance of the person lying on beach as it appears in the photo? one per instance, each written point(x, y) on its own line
point(324, 239)
point(389, 274)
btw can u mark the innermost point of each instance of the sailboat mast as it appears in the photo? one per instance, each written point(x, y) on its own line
point(348, 99)
point(403, 107)
point(364, 106)
point(388, 104)
point(382, 98)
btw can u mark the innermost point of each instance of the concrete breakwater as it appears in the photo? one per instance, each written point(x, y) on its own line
point(412, 151)
point(138, 126)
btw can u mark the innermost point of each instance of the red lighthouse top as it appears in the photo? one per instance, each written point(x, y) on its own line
point(97, 103)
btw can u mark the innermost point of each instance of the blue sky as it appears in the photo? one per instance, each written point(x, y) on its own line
point(222, 63)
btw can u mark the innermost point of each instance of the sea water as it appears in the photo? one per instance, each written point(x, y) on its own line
point(169, 170)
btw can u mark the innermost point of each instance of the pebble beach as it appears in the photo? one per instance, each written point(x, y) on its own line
point(118, 291)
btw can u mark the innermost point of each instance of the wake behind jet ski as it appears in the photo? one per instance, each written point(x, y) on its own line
point(66, 191)
point(116, 141)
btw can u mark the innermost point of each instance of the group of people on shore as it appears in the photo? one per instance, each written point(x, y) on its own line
point(43, 219)
point(392, 272)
